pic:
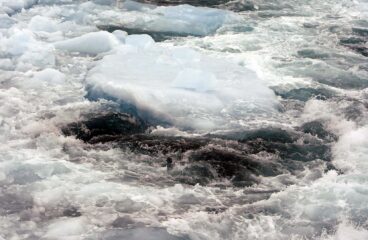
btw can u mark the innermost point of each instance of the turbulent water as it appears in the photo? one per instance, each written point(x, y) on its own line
point(183, 119)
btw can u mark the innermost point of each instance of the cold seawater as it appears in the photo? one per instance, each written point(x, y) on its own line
point(183, 119)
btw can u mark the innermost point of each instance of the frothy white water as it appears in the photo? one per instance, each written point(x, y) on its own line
point(57, 187)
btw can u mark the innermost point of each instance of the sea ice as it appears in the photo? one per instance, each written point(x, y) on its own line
point(91, 43)
point(15, 5)
point(46, 77)
point(18, 43)
point(180, 84)
point(40, 23)
point(140, 41)
point(183, 18)
point(22, 45)
point(6, 21)
point(180, 19)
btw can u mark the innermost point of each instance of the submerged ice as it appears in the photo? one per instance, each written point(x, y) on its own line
point(248, 120)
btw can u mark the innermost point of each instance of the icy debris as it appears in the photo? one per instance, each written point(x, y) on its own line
point(195, 79)
point(46, 77)
point(139, 41)
point(28, 173)
point(23, 175)
point(66, 227)
point(181, 19)
point(40, 56)
point(121, 35)
point(6, 21)
point(19, 42)
point(28, 52)
point(188, 19)
point(91, 43)
point(44, 24)
point(15, 5)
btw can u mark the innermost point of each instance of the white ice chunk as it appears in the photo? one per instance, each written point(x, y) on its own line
point(121, 35)
point(180, 19)
point(195, 79)
point(44, 24)
point(189, 19)
point(19, 42)
point(21, 45)
point(6, 21)
point(44, 78)
point(16, 5)
point(90, 43)
point(40, 55)
point(140, 41)
point(182, 85)
point(185, 55)
point(50, 76)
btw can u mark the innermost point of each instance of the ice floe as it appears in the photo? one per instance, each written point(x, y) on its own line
point(182, 85)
